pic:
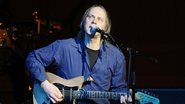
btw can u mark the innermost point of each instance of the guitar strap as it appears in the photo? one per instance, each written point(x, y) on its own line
point(83, 57)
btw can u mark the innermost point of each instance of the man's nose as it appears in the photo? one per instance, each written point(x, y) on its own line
point(94, 21)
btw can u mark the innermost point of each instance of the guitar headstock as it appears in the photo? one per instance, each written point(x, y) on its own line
point(146, 98)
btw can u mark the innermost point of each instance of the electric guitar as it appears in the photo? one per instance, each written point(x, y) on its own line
point(72, 89)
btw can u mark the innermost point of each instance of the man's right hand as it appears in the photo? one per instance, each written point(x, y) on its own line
point(52, 91)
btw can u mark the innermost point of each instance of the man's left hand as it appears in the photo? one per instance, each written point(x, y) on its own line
point(125, 100)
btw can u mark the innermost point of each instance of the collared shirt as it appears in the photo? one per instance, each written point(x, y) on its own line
point(70, 59)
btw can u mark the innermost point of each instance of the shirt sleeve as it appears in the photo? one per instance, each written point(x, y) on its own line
point(37, 60)
point(119, 83)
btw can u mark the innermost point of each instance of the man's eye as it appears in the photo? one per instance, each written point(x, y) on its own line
point(100, 19)
point(90, 17)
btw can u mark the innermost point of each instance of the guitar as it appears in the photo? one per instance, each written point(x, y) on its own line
point(72, 89)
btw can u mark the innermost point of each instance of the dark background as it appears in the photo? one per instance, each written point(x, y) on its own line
point(153, 27)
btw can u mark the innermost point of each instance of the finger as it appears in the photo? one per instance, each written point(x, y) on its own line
point(122, 100)
point(59, 94)
point(130, 90)
point(52, 100)
point(126, 97)
point(58, 98)
point(54, 97)
point(129, 99)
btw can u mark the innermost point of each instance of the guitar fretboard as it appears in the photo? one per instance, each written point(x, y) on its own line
point(81, 94)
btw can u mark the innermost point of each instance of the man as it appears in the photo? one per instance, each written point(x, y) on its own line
point(88, 55)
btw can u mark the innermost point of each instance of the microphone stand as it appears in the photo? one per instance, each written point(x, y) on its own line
point(131, 71)
point(131, 74)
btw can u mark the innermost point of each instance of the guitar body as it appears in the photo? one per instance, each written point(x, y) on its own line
point(40, 97)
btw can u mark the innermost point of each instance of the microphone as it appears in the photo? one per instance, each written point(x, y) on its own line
point(102, 32)
point(104, 35)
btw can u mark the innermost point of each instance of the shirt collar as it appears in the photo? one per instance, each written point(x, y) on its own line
point(80, 45)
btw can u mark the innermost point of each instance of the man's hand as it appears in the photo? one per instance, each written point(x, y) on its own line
point(124, 99)
point(52, 91)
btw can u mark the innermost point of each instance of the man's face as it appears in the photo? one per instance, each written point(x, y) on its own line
point(95, 18)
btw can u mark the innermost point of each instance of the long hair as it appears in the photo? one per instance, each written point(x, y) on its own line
point(108, 21)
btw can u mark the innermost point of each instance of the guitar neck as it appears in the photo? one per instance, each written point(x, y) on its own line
point(81, 94)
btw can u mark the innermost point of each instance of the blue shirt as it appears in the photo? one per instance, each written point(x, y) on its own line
point(70, 58)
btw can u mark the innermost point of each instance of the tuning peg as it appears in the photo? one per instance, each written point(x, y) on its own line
point(145, 92)
point(148, 93)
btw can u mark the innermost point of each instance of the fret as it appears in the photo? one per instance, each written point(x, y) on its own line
point(100, 95)
point(88, 94)
point(107, 94)
point(114, 96)
point(92, 94)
